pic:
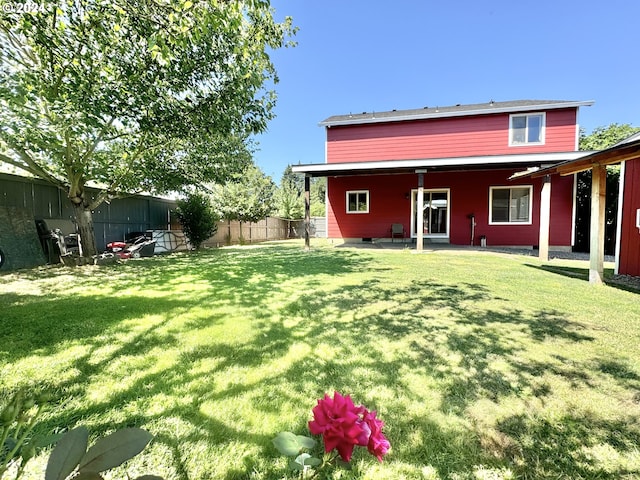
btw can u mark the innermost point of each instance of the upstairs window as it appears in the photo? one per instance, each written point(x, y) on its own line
point(526, 129)
point(358, 201)
point(510, 205)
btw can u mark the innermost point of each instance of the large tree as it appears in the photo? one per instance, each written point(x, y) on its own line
point(134, 95)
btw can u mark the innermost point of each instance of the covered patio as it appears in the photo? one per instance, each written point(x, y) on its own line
point(627, 150)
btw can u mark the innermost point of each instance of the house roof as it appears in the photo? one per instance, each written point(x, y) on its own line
point(483, 162)
point(451, 111)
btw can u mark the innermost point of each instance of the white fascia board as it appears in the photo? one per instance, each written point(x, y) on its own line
point(462, 113)
point(489, 160)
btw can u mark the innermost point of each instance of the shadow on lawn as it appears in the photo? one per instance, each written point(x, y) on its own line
point(473, 354)
point(356, 338)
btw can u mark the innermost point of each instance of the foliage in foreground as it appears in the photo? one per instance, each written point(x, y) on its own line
point(483, 366)
point(70, 457)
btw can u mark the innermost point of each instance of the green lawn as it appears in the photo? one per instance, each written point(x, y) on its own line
point(482, 365)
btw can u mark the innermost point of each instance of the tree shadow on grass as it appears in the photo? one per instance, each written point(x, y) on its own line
point(387, 345)
point(571, 446)
point(473, 353)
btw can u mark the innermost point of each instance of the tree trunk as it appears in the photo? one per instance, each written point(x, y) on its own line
point(84, 222)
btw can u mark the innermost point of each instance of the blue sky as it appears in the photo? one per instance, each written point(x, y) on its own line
point(370, 55)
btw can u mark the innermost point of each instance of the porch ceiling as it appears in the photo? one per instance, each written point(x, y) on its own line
point(388, 167)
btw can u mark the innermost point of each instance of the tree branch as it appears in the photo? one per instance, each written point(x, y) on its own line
point(29, 165)
point(97, 140)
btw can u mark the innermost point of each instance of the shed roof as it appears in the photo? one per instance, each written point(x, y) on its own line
point(451, 111)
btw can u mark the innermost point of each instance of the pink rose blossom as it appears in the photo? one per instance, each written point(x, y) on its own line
point(378, 444)
point(344, 425)
point(338, 420)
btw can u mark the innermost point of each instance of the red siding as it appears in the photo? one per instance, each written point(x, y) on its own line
point(629, 260)
point(448, 137)
point(469, 193)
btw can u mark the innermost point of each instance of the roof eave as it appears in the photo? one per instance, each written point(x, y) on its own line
point(461, 113)
point(451, 163)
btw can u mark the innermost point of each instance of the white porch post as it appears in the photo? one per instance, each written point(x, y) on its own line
point(420, 214)
point(545, 216)
point(596, 245)
point(307, 212)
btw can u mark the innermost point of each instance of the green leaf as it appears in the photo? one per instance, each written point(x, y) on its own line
point(306, 459)
point(293, 465)
point(115, 449)
point(290, 444)
point(149, 477)
point(67, 454)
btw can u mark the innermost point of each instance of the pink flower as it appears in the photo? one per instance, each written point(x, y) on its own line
point(338, 420)
point(343, 426)
point(378, 445)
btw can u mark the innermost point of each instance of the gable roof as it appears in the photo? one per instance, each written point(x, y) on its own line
point(451, 111)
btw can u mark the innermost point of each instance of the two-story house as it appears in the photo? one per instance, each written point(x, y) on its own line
point(464, 161)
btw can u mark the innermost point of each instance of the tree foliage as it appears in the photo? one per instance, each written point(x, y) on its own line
point(249, 197)
point(290, 198)
point(135, 95)
point(197, 217)
point(605, 136)
point(290, 195)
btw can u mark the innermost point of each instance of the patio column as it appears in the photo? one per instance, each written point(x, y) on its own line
point(307, 212)
point(545, 215)
point(596, 244)
point(420, 213)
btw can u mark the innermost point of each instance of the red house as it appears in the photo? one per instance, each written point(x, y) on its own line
point(446, 174)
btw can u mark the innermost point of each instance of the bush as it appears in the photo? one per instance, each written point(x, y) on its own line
point(197, 217)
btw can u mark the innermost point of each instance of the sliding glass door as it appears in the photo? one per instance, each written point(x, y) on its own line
point(435, 213)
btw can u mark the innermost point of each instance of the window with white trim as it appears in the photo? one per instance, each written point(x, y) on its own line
point(358, 201)
point(508, 205)
point(527, 129)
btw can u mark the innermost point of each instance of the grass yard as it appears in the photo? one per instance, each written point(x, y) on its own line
point(483, 366)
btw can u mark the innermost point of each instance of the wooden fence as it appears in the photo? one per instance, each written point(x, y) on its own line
point(234, 232)
point(271, 228)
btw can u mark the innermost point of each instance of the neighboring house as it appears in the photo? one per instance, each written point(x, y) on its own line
point(462, 159)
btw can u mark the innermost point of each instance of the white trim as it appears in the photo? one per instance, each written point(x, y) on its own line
point(526, 143)
point(414, 195)
point(366, 192)
point(489, 160)
point(574, 209)
point(619, 216)
point(511, 187)
point(433, 113)
point(577, 145)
